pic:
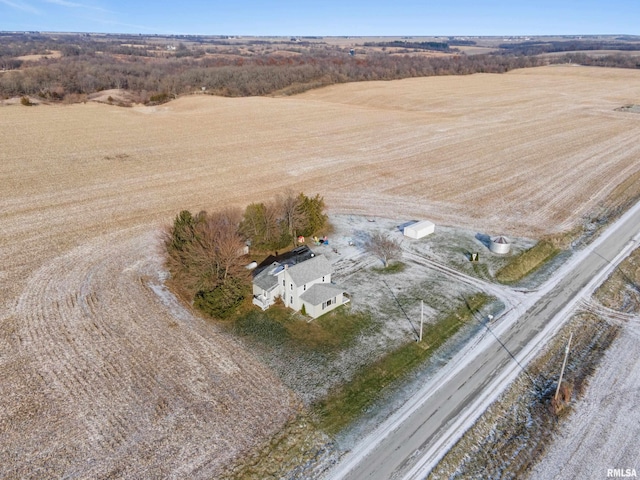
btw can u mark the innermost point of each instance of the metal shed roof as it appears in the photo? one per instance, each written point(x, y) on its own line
point(420, 225)
point(500, 239)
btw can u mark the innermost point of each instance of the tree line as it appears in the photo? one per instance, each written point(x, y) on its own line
point(206, 252)
point(538, 47)
point(436, 46)
point(89, 66)
point(55, 78)
point(610, 61)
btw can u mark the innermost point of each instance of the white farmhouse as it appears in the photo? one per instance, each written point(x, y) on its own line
point(306, 283)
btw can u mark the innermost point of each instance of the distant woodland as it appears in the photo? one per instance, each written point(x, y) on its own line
point(539, 47)
point(67, 67)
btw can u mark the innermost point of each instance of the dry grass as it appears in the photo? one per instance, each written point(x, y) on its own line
point(349, 401)
point(513, 435)
point(119, 97)
point(100, 378)
point(617, 202)
point(621, 291)
point(295, 452)
point(36, 57)
point(527, 262)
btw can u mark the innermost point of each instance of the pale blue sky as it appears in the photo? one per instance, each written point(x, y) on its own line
point(327, 18)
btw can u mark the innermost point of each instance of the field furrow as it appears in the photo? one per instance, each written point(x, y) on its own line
point(104, 374)
point(108, 364)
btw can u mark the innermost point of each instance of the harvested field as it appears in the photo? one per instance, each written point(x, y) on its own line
point(526, 151)
point(101, 373)
point(629, 108)
point(36, 57)
point(594, 53)
point(103, 377)
point(116, 96)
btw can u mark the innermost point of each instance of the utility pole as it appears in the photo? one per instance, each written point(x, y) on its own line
point(564, 364)
point(421, 318)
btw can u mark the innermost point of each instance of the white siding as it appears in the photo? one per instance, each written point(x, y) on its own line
point(316, 310)
point(419, 229)
point(299, 290)
point(291, 292)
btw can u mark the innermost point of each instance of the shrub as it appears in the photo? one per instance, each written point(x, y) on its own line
point(159, 98)
point(222, 300)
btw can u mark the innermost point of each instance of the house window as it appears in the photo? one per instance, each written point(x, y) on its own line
point(291, 286)
point(304, 287)
point(324, 304)
point(283, 284)
point(291, 301)
point(322, 279)
point(328, 302)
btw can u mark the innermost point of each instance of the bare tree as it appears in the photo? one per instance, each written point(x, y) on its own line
point(271, 230)
point(291, 212)
point(226, 245)
point(384, 247)
point(208, 246)
point(204, 257)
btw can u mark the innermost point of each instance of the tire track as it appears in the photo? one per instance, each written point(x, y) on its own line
point(124, 385)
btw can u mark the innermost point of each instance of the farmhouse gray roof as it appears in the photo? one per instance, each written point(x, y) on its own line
point(310, 270)
point(265, 280)
point(321, 292)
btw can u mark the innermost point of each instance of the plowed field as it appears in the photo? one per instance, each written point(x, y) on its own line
point(103, 374)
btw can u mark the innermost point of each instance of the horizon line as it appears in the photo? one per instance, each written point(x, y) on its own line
point(408, 35)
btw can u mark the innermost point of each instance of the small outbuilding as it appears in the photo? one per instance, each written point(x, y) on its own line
point(419, 229)
point(500, 245)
